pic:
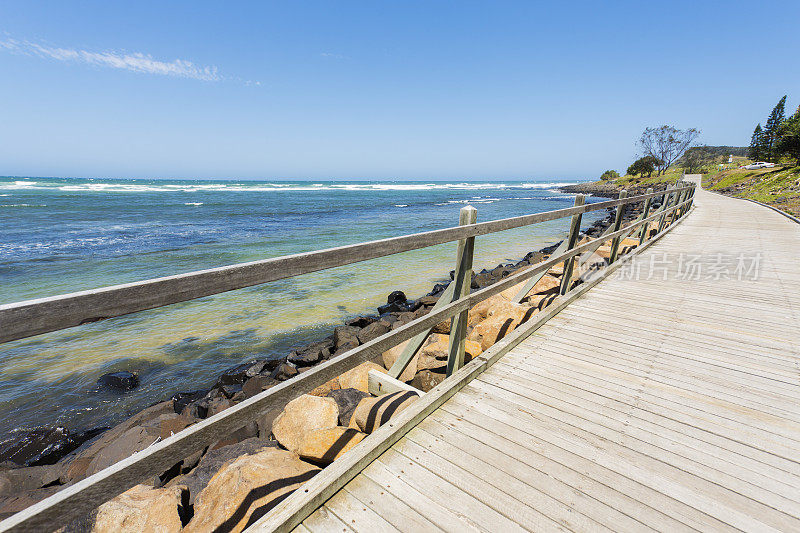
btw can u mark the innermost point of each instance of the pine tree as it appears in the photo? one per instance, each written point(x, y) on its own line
point(771, 129)
point(755, 143)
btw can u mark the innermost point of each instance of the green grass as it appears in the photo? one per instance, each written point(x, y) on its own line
point(778, 187)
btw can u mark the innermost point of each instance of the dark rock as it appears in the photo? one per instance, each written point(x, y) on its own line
point(17, 479)
point(483, 279)
point(438, 289)
point(44, 446)
point(241, 373)
point(428, 301)
point(396, 297)
point(22, 500)
point(361, 321)
point(272, 363)
point(118, 381)
point(225, 391)
point(373, 331)
point(312, 354)
point(257, 384)
point(347, 400)
point(283, 372)
point(213, 460)
point(345, 338)
point(181, 399)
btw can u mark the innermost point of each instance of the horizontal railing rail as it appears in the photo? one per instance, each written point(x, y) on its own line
point(77, 499)
point(34, 317)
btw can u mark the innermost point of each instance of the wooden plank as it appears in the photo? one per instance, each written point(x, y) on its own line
point(462, 279)
point(572, 240)
point(380, 383)
point(617, 222)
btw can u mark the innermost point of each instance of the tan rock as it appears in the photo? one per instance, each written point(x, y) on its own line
point(425, 380)
point(302, 415)
point(325, 388)
point(390, 357)
point(141, 509)
point(493, 329)
point(326, 445)
point(246, 489)
point(357, 377)
point(371, 413)
point(540, 301)
point(481, 309)
point(548, 283)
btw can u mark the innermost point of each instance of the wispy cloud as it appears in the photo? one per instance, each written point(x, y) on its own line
point(135, 62)
point(330, 55)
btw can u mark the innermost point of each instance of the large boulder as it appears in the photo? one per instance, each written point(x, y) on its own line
point(312, 354)
point(357, 378)
point(142, 509)
point(246, 489)
point(346, 400)
point(44, 446)
point(301, 415)
point(241, 373)
point(324, 446)
point(345, 338)
point(481, 309)
point(391, 355)
point(373, 331)
point(373, 412)
point(181, 399)
point(197, 479)
point(500, 321)
point(257, 384)
point(16, 480)
point(547, 284)
point(425, 380)
point(284, 371)
point(118, 381)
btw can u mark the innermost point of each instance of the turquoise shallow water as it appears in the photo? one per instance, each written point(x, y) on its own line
point(64, 235)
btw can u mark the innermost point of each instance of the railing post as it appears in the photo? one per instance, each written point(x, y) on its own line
point(676, 213)
point(462, 280)
point(665, 201)
point(617, 224)
point(572, 240)
point(646, 225)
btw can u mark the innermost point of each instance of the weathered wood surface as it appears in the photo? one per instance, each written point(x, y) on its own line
point(33, 317)
point(645, 405)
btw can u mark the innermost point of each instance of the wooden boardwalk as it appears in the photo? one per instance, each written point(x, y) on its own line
point(647, 404)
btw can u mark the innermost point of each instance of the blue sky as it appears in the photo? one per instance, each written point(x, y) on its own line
point(380, 90)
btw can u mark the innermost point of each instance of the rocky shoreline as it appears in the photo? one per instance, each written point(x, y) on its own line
point(204, 492)
point(605, 189)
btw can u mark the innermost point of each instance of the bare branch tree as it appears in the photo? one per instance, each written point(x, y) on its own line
point(666, 144)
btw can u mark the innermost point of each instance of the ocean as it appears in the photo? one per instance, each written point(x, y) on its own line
point(64, 235)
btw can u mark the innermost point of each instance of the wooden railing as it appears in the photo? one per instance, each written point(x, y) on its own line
point(33, 317)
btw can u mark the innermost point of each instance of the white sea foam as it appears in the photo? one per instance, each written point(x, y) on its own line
point(401, 205)
point(193, 203)
point(151, 186)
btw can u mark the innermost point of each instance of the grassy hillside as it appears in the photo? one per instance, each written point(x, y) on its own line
point(778, 187)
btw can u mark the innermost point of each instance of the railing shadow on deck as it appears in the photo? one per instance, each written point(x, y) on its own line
point(34, 317)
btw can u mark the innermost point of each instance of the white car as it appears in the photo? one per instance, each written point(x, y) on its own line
point(760, 164)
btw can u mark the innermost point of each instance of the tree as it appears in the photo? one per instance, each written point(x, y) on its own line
point(609, 175)
point(756, 144)
point(695, 158)
point(643, 165)
point(788, 138)
point(666, 144)
point(771, 129)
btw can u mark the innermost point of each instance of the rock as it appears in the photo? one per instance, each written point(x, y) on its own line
point(44, 446)
point(301, 415)
point(484, 279)
point(390, 356)
point(241, 373)
point(172, 424)
point(425, 380)
point(493, 328)
point(373, 331)
point(546, 285)
point(181, 399)
point(540, 301)
point(396, 297)
point(226, 390)
point(141, 509)
point(217, 405)
point(443, 327)
point(312, 354)
point(215, 459)
point(346, 401)
point(356, 378)
point(283, 372)
point(23, 499)
point(119, 442)
point(373, 412)
point(438, 289)
point(325, 388)
point(16, 480)
point(345, 338)
point(361, 321)
point(244, 433)
point(324, 446)
point(257, 384)
point(428, 301)
point(246, 489)
point(480, 310)
point(118, 381)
